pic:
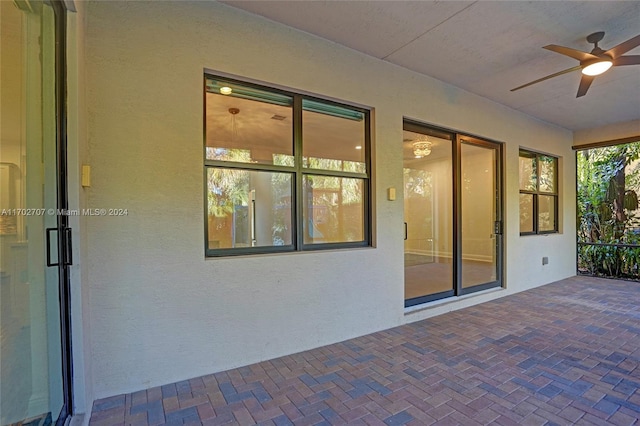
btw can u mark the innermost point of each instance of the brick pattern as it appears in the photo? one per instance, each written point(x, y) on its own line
point(565, 353)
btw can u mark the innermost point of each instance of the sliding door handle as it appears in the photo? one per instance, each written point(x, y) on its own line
point(405, 231)
point(48, 243)
point(68, 249)
point(67, 255)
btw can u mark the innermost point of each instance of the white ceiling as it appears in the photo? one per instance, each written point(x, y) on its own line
point(487, 47)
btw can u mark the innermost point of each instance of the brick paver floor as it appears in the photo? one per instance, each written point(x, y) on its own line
point(564, 353)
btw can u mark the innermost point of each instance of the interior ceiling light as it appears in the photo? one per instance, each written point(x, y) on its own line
point(359, 147)
point(234, 127)
point(422, 147)
point(226, 90)
point(597, 68)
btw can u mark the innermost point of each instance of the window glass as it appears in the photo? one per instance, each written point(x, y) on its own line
point(248, 208)
point(275, 183)
point(248, 125)
point(333, 209)
point(538, 193)
point(528, 172)
point(547, 173)
point(526, 213)
point(333, 138)
point(546, 213)
point(428, 209)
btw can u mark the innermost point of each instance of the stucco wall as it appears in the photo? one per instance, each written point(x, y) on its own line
point(77, 155)
point(611, 132)
point(159, 310)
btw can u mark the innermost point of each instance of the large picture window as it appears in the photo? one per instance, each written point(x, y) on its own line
point(538, 193)
point(283, 171)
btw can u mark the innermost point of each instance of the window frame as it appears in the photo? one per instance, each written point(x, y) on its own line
point(537, 192)
point(297, 171)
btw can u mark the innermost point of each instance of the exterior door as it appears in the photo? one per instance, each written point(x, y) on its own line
point(34, 243)
point(480, 256)
point(452, 214)
point(428, 213)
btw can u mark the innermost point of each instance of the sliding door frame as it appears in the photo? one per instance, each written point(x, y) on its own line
point(499, 219)
point(457, 139)
point(64, 231)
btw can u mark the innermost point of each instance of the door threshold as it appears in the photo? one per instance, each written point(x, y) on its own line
point(449, 300)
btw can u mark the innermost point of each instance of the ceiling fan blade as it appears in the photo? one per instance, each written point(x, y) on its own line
point(547, 77)
point(585, 82)
point(573, 53)
point(627, 60)
point(624, 47)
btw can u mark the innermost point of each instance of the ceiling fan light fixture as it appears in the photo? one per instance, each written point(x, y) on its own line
point(597, 68)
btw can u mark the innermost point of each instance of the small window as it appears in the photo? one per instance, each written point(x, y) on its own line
point(283, 171)
point(538, 193)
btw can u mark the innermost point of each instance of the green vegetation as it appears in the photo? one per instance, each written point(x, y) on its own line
point(608, 214)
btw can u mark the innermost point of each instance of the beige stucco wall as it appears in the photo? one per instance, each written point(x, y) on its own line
point(611, 132)
point(159, 311)
point(77, 155)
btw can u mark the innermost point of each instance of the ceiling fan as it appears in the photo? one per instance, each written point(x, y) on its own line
point(594, 63)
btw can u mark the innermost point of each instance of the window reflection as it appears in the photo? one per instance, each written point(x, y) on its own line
point(546, 213)
point(547, 174)
point(538, 193)
point(248, 208)
point(428, 209)
point(528, 172)
point(333, 209)
point(256, 178)
point(526, 212)
point(478, 214)
point(255, 130)
point(333, 138)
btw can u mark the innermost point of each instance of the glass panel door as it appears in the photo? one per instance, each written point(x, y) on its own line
point(428, 214)
point(480, 223)
point(31, 356)
point(452, 214)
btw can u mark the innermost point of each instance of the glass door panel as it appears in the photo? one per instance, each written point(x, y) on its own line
point(452, 213)
point(479, 202)
point(31, 379)
point(428, 213)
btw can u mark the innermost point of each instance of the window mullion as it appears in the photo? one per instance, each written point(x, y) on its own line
point(535, 214)
point(297, 219)
point(535, 197)
point(248, 166)
point(336, 173)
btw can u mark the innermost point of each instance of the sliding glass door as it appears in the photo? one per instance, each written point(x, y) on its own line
point(452, 214)
point(428, 213)
point(34, 345)
point(480, 215)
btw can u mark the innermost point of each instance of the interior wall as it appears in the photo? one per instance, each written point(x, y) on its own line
point(430, 217)
point(159, 311)
point(478, 210)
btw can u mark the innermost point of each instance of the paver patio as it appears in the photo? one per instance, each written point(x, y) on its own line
point(564, 353)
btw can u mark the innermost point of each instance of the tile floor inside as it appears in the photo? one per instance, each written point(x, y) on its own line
point(564, 353)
